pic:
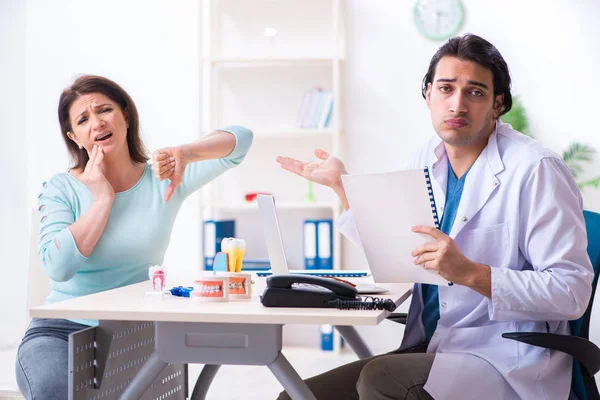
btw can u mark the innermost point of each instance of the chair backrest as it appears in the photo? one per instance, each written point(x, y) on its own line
point(592, 224)
point(38, 283)
point(583, 384)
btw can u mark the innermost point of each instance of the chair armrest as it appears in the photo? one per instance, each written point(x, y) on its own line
point(586, 352)
point(398, 317)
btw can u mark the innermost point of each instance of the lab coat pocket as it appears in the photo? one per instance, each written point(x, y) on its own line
point(487, 343)
point(487, 245)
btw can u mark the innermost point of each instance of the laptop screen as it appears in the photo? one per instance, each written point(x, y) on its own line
point(270, 222)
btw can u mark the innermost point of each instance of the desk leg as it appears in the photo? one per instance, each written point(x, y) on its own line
point(144, 379)
point(351, 336)
point(215, 344)
point(206, 377)
point(290, 380)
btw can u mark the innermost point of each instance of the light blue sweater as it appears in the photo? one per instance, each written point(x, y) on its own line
point(136, 235)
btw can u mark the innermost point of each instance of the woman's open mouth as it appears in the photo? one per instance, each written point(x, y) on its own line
point(103, 136)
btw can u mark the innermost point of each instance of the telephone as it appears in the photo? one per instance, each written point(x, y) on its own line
point(297, 290)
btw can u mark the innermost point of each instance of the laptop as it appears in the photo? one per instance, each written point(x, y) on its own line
point(277, 258)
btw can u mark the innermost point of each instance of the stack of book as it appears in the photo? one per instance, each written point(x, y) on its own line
point(315, 110)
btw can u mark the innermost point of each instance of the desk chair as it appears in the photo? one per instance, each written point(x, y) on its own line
point(38, 283)
point(586, 354)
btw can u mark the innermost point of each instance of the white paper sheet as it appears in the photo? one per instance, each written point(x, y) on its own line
point(385, 206)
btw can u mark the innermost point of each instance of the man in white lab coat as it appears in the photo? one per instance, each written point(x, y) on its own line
point(512, 239)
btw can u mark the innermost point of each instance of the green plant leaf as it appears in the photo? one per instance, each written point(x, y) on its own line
point(576, 154)
point(595, 182)
point(517, 117)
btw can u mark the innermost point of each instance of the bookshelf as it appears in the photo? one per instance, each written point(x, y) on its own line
point(258, 80)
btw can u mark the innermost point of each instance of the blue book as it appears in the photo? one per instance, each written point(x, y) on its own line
point(326, 111)
point(214, 232)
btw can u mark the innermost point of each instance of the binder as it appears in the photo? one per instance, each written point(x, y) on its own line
point(310, 244)
point(214, 232)
point(318, 244)
point(436, 220)
point(326, 337)
point(324, 244)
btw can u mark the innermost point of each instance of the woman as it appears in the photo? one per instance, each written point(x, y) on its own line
point(110, 217)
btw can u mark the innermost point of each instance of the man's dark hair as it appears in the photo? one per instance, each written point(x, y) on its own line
point(471, 47)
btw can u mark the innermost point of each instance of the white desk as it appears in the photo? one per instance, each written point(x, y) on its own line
point(236, 332)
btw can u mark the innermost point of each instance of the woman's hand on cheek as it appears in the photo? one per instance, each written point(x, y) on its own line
point(94, 179)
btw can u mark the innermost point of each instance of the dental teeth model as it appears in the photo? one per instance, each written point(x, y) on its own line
point(157, 275)
point(240, 284)
point(235, 249)
point(211, 288)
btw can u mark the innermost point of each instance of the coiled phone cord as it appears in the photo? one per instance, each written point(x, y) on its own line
point(363, 303)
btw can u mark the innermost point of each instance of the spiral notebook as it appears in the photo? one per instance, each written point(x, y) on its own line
point(384, 207)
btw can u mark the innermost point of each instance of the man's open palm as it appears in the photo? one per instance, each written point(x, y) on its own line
point(326, 172)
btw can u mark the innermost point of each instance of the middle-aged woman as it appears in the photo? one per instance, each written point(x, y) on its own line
point(110, 217)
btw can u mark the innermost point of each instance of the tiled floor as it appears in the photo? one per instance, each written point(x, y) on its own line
point(231, 383)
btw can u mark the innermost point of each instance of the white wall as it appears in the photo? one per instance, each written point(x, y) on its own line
point(148, 47)
point(387, 118)
point(552, 50)
point(152, 49)
point(13, 163)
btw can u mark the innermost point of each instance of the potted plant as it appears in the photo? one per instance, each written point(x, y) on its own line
point(576, 155)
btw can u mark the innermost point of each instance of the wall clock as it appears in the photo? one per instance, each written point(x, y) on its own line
point(438, 19)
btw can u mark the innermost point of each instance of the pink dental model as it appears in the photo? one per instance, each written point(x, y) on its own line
point(157, 274)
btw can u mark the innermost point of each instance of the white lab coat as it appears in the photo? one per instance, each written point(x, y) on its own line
point(521, 214)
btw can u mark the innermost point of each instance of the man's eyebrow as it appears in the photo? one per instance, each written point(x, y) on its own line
point(98, 106)
point(474, 83)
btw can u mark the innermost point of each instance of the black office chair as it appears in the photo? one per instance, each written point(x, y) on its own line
point(586, 354)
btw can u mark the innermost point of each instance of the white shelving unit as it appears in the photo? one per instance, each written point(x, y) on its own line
point(259, 82)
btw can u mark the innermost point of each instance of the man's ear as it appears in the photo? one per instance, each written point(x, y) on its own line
point(498, 102)
point(428, 95)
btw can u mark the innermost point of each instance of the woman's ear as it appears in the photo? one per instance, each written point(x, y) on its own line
point(126, 116)
point(72, 137)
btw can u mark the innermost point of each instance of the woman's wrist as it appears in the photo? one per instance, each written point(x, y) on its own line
point(186, 153)
point(214, 145)
point(105, 200)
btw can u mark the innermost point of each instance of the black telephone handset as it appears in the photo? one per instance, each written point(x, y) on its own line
point(296, 290)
